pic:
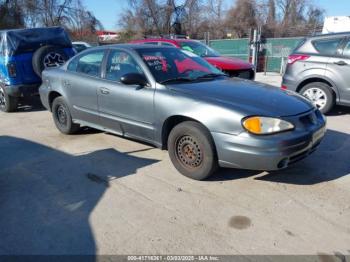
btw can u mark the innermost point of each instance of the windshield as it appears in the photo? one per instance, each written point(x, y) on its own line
point(198, 48)
point(172, 64)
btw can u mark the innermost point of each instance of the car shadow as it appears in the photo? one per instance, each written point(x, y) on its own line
point(47, 196)
point(329, 162)
point(30, 104)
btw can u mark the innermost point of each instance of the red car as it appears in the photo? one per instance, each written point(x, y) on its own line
point(232, 66)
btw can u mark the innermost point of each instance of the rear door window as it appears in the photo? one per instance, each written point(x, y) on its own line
point(327, 46)
point(88, 64)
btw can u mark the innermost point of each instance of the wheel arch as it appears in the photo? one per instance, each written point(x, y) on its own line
point(173, 121)
point(52, 96)
point(314, 79)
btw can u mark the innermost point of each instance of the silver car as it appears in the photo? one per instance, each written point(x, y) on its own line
point(175, 100)
point(319, 69)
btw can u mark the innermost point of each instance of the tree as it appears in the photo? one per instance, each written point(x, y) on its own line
point(11, 15)
point(242, 17)
point(214, 20)
point(277, 17)
point(82, 23)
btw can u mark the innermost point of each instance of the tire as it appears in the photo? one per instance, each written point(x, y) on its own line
point(192, 151)
point(7, 103)
point(48, 56)
point(62, 117)
point(314, 90)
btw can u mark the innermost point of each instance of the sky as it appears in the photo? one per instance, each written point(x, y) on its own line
point(108, 11)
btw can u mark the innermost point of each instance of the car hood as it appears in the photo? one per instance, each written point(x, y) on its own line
point(228, 63)
point(248, 97)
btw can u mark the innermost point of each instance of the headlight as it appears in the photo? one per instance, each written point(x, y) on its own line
point(260, 125)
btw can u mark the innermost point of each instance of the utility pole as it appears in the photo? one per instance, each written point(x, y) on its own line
point(207, 38)
point(255, 46)
point(254, 49)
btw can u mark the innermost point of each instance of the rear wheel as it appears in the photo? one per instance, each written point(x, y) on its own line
point(7, 103)
point(192, 151)
point(320, 94)
point(62, 117)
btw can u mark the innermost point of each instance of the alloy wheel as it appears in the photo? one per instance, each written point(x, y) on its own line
point(53, 59)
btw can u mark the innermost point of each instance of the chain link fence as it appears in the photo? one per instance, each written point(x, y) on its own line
point(273, 52)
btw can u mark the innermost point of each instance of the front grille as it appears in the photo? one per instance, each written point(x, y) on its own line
point(298, 157)
point(245, 74)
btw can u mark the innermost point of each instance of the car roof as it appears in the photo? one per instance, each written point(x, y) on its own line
point(130, 47)
point(154, 40)
point(169, 40)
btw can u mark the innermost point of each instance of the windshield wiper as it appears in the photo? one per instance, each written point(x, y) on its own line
point(212, 75)
point(176, 79)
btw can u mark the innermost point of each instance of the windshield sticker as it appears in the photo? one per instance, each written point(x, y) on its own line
point(157, 62)
point(153, 57)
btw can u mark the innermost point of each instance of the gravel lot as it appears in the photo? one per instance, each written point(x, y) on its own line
point(97, 193)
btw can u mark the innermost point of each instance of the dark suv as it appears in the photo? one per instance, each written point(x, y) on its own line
point(319, 69)
point(24, 54)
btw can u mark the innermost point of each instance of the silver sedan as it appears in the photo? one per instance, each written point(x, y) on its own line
point(175, 100)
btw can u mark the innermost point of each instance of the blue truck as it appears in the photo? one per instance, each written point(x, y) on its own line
point(24, 54)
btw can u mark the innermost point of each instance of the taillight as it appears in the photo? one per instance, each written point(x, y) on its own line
point(283, 87)
point(293, 58)
point(12, 69)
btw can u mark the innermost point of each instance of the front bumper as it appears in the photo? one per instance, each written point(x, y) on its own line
point(272, 152)
point(242, 73)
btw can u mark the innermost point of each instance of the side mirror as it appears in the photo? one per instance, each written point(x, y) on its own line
point(134, 79)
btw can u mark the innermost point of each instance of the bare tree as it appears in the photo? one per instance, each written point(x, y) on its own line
point(215, 19)
point(82, 23)
point(242, 17)
point(295, 17)
point(193, 17)
point(70, 14)
point(11, 15)
point(277, 17)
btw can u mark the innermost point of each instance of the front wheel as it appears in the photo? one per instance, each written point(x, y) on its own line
point(320, 94)
point(192, 151)
point(62, 117)
point(7, 103)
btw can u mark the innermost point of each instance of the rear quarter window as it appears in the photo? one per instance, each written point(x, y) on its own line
point(327, 46)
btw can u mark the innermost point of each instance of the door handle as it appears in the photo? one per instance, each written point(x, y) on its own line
point(340, 63)
point(104, 90)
